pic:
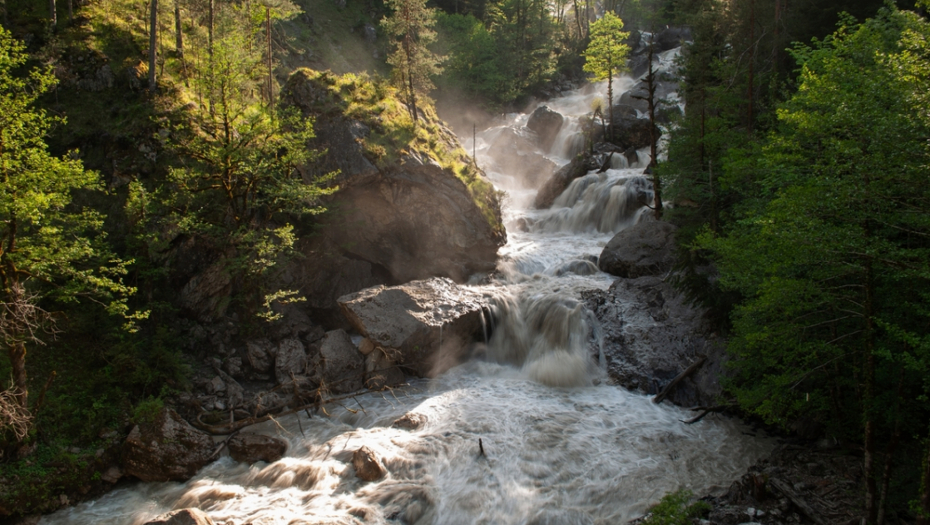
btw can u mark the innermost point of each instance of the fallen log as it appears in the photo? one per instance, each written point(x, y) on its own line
point(668, 388)
point(797, 500)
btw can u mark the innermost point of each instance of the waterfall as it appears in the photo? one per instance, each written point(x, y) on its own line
point(561, 444)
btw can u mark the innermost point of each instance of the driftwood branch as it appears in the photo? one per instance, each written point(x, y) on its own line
point(668, 388)
point(704, 412)
point(797, 500)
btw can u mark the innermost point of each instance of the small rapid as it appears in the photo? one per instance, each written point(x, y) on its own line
point(562, 445)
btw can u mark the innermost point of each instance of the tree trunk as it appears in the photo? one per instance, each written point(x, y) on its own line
point(52, 13)
point(210, 16)
point(70, 10)
point(924, 505)
point(269, 51)
point(153, 37)
point(653, 139)
point(752, 47)
point(17, 352)
point(871, 490)
point(890, 452)
point(178, 35)
point(610, 104)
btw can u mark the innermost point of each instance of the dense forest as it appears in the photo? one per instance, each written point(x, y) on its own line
point(798, 177)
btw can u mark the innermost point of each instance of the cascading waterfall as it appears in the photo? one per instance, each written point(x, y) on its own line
point(562, 446)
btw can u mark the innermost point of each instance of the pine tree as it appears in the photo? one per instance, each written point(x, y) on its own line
point(606, 56)
point(410, 30)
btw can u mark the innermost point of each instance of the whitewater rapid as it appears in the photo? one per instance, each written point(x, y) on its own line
point(563, 446)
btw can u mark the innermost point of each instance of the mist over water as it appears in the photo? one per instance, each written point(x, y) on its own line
point(562, 445)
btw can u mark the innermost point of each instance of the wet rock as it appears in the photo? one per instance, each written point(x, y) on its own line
point(546, 123)
point(625, 111)
point(367, 466)
point(577, 267)
point(651, 334)
point(514, 152)
point(629, 132)
point(290, 361)
point(418, 319)
point(247, 447)
point(410, 421)
point(166, 449)
point(557, 183)
point(343, 364)
point(191, 516)
point(646, 248)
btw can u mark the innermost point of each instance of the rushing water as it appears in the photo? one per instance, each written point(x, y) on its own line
point(562, 446)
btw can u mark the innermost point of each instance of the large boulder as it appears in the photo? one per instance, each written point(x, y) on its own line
point(546, 123)
point(424, 325)
point(557, 183)
point(397, 208)
point(629, 132)
point(247, 447)
point(166, 449)
point(343, 364)
point(192, 516)
point(514, 152)
point(651, 333)
point(646, 248)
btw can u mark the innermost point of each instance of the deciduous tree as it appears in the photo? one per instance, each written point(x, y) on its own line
point(50, 248)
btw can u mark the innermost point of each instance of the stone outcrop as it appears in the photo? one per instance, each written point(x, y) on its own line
point(515, 153)
point(192, 516)
point(651, 334)
point(166, 449)
point(247, 447)
point(423, 325)
point(367, 466)
point(402, 213)
point(546, 123)
point(646, 248)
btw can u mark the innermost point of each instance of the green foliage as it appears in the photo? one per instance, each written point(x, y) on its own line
point(147, 410)
point(410, 29)
point(606, 52)
point(475, 65)
point(675, 508)
point(52, 250)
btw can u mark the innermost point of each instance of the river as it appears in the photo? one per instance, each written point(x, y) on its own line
point(562, 445)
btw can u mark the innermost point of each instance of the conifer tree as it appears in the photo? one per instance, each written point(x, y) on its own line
point(606, 56)
point(410, 29)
